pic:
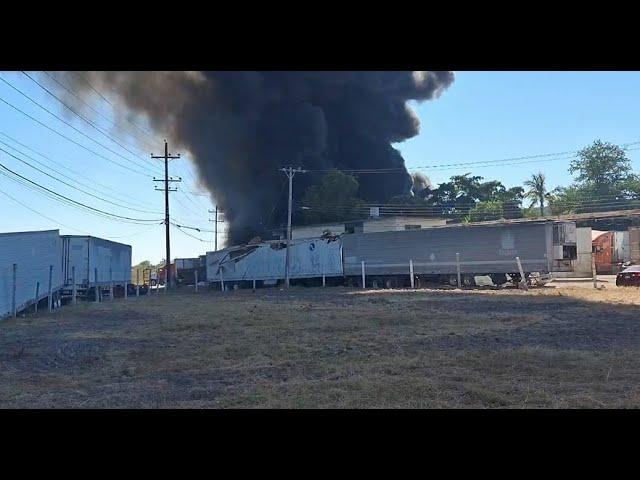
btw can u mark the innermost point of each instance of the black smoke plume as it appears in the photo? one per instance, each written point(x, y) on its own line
point(240, 127)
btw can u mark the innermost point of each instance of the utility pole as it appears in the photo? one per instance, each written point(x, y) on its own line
point(290, 172)
point(215, 222)
point(166, 191)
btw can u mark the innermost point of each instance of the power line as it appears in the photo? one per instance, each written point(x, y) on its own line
point(111, 104)
point(89, 122)
point(73, 172)
point(58, 223)
point(67, 198)
point(84, 102)
point(67, 123)
point(66, 183)
point(71, 140)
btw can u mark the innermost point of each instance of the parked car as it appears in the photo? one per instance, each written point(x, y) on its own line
point(629, 277)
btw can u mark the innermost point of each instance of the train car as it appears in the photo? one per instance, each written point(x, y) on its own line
point(29, 267)
point(91, 256)
point(264, 262)
point(482, 249)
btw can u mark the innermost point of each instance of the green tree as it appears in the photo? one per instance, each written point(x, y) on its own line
point(488, 210)
point(537, 191)
point(603, 166)
point(603, 181)
point(333, 199)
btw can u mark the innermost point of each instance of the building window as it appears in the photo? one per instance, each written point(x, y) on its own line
point(412, 227)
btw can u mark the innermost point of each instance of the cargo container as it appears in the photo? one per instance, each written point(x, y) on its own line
point(265, 262)
point(482, 249)
point(111, 261)
point(32, 253)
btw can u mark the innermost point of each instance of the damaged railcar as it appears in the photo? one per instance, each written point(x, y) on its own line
point(310, 260)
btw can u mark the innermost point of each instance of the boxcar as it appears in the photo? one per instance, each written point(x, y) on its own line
point(480, 249)
point(111, 260)
point(265, 262)
point(32, 253)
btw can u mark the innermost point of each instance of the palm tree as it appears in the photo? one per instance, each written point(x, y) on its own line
point(537, 190)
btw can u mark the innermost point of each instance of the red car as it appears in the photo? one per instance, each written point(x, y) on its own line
point(629, 277)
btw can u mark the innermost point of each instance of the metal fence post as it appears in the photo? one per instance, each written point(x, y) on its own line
point(13, 294)
point(50, 287)
point(95, 281)
point(594, 273)
point(74, 290)
point(37, 297)
point(221, 280)
point(523, 281)
point(110, 284)
point(411, 280)
point(196, 272)
point(363, 275)
point(458, 269)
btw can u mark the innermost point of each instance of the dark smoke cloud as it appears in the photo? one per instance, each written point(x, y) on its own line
point(240, 127)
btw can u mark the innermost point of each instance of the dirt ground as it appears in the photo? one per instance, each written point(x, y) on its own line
point(564, 345)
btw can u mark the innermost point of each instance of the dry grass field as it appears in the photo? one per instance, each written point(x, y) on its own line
point(568, 346)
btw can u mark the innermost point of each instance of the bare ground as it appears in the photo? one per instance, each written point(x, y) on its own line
point(568, 346)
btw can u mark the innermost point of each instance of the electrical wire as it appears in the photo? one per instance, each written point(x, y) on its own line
point(73, 141)
point(67, 198)
point(67, 123)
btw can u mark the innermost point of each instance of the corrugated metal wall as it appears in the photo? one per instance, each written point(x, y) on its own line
point(33, 252)
point(112, 259)
point(433, 251)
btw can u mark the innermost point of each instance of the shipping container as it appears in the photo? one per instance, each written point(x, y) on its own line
point(482, 248)
point(111, 260)
point(310, 258)
point(33, 253)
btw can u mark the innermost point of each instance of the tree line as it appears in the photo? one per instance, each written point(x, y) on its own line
point(602, 174)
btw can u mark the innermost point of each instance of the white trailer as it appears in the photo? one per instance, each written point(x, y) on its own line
point(33, 254)
point(111, 261)
point(265, 262)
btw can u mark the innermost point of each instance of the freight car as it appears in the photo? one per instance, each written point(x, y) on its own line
point(311, 260)
point(389, 259)
point(437, 254)
point(29, 270)
point(96, 262)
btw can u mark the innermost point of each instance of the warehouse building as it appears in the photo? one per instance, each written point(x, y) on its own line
point(373, 224)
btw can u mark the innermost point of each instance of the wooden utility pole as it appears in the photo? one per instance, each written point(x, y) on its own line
point(290, 172)
point(166, 191)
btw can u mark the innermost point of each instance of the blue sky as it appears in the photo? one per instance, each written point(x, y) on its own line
point(482, 116)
